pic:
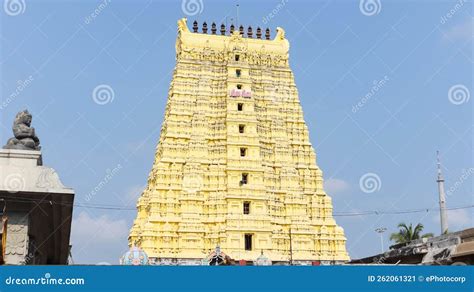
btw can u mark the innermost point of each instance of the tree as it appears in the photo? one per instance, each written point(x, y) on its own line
point(408, 233)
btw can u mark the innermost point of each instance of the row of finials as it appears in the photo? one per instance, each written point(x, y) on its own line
point(232, 28)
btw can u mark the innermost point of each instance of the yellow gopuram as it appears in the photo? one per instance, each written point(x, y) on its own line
point(234, 166)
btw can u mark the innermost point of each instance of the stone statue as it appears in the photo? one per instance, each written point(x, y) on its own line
point(25, 137)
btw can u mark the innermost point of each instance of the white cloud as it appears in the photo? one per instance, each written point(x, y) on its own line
point(463, 31)
point(457, 219)
point(101, 239)
point(335, 185)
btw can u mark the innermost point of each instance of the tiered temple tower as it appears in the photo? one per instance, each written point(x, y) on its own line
point(234, 166)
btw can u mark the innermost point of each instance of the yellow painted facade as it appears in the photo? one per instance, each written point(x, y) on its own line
point(224, 152)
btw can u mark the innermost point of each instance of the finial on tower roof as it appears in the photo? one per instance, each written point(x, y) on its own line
point(222, 29)
point(259, 33)
point(213, 28)
point(242, 31)
point(249, 32)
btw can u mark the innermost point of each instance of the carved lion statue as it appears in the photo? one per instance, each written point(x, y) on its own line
point(25, 137)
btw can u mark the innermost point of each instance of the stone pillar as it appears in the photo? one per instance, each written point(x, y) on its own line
point(38, 207)
point(17, 247)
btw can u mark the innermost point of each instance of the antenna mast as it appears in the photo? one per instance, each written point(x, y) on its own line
point(442, 198)
point(237, 25)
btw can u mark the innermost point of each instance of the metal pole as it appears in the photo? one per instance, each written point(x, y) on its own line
point(381, 241)
point(237, 15)
point(442, 198)
point(380, 231)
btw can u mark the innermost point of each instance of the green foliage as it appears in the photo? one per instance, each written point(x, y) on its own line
point(407, 233)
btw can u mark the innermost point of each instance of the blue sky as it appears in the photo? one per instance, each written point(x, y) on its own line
point(382, 88)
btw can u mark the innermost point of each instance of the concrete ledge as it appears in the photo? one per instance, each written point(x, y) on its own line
point(20, 157)
point(23, 171)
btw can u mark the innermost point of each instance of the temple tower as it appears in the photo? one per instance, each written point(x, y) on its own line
point(234, 166)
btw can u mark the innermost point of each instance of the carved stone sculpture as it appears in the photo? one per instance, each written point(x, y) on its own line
point(25, 137)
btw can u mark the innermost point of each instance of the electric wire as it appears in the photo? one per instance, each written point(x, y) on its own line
point(131, 208)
